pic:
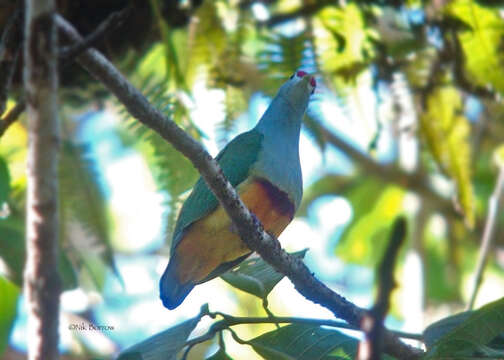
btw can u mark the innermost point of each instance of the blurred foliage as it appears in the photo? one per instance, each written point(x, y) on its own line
point(8, 303)
point(429, 72)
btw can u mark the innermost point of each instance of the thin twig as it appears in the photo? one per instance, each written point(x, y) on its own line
point(488, 234)
point(249, 229)
point(113, 22)
point(12, 116)
point(371, 347)
point(229, 321)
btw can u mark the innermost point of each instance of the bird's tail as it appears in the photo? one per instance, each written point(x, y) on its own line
point(172, 293)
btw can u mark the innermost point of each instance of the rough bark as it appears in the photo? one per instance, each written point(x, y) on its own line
point(41, 280)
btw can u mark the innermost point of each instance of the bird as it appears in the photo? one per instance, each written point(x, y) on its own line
point(264, 167)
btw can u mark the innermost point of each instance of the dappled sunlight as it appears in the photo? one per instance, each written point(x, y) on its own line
point(398, 111)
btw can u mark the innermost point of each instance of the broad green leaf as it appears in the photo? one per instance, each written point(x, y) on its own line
point(481, 43)
point(442, 282)
point(367, 235)
point(306, 342)
point(475, 332)
point(219, 355)
point(437, 330)
point(255, 276)
point(446, 133)
point(343, 42)
point(8, 303)
point(162, 346)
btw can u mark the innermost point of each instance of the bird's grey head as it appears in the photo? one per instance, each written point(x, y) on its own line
point(297, 90)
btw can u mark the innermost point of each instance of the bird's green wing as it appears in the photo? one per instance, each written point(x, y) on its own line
point(235, 160)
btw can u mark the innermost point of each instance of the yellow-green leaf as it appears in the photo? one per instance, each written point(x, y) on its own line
point(482, 43)
point(446, 133)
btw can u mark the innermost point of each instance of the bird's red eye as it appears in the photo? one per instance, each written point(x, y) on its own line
point(301, 73)
point(313, 82)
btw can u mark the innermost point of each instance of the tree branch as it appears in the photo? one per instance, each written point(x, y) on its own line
point(12, 117)
point(250, 231)
point(488, 234)
point(373, 324)
point(391, 174)
point(228, 321)
point(111, 23)
point(42, 285)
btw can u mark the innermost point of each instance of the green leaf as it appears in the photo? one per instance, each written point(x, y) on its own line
point(435, 331)
point(162, 346)
point(8, 304)
point(343, 42)
point(4, 181)
point(256, 276)
point(375, 209)
point(472, 334)
point(481, 43)
point(446, 133)
point(220, 355)
point(305, 342)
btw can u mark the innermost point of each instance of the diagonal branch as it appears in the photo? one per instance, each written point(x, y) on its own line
point(251, 232)
point(11, 116)
point(114, 21)
point(391, 174)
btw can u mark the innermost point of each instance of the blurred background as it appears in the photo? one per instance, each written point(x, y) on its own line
point(406, 120)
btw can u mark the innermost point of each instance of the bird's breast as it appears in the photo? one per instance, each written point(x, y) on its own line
point(212, 240)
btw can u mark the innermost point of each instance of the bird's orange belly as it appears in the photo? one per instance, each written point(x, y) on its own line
point(212, 240)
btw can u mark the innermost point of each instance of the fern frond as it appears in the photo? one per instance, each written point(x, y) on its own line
point(235, 104)
point(82, 200)
point(281, 56)
point(172, 172)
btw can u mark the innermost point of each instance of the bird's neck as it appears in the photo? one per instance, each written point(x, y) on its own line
point(281, 121)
